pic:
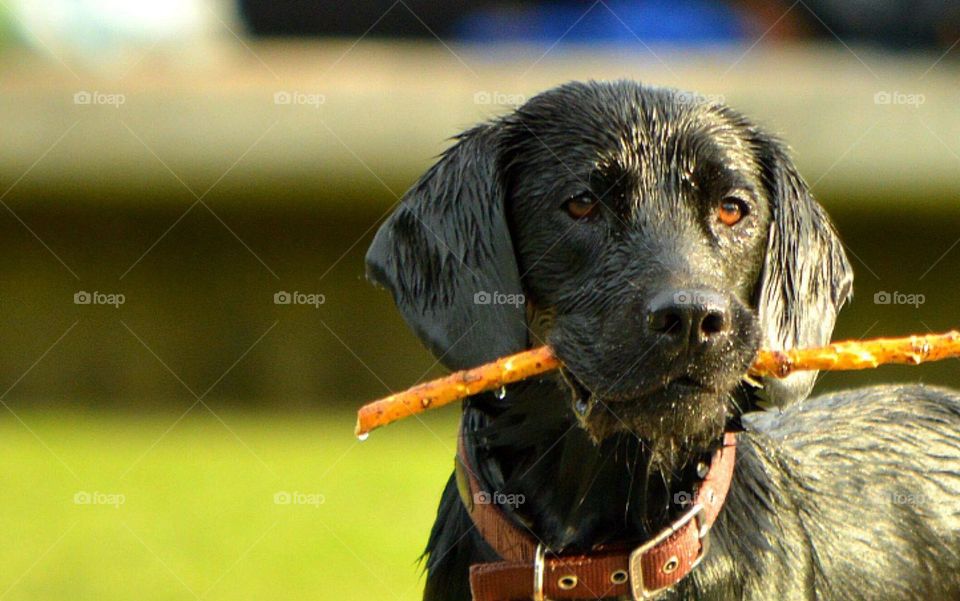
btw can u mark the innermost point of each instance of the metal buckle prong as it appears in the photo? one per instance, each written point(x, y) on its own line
point(539, 566)
point(637, 586)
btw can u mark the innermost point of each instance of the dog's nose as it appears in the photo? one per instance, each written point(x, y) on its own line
point(689, 317)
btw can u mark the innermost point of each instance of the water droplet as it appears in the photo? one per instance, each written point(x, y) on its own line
point(581, 407)
point(502, 392)
point(363, 437)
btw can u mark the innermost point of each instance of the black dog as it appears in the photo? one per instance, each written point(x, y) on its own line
point(656, 243)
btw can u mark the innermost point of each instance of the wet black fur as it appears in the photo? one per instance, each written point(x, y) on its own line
point(853, 495)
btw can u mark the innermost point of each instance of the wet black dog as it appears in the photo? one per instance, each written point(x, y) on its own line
point(656, 242)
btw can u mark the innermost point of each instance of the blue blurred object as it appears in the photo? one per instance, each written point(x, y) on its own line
point(678, 21)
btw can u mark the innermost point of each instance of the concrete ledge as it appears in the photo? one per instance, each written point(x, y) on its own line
point(364, 120)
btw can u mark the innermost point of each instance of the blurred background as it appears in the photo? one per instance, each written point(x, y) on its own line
point(188, 188)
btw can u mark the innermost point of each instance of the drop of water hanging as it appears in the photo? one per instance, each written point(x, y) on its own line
point(502, 392)
point(363, 437)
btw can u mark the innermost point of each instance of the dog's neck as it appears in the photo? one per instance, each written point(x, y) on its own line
point(571, 493)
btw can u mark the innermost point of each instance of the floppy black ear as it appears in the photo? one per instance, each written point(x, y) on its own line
point(806, 277)
point(447, 257)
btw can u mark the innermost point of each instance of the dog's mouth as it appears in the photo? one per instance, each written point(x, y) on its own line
point(670, 402)
point(584, 397)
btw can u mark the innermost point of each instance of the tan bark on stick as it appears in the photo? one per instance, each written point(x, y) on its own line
point(849, 355)
point(454, 387)
point(854, 354)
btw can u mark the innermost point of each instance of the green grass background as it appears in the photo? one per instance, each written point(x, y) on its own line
point(199, 519)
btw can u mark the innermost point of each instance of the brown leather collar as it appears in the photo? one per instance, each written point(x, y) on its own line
point(529, 571)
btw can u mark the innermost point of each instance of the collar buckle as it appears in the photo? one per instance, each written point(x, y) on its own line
point(638, 586)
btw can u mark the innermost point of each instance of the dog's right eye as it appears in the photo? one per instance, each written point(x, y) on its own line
point(732, 210)
point(583, 206)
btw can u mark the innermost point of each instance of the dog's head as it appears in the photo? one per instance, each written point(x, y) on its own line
point(654, 240)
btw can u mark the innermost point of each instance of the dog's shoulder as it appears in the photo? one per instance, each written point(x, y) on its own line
point(891, 449)
point(870, 478)
point(868, 420)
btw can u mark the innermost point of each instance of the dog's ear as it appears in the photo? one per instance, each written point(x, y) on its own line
point(806, 277)
point(447, 257)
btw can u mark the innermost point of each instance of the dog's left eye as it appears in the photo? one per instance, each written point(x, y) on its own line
point(732, 210)
point(581, 207)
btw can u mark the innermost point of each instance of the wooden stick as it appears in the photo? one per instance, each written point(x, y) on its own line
point(855, 354)
point(848, 355)
point(458, 385)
